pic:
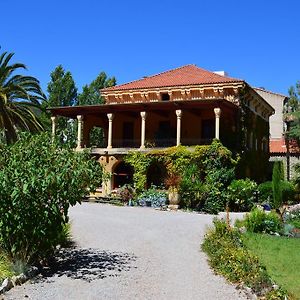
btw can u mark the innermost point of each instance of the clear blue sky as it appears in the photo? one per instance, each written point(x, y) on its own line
point(257, 40)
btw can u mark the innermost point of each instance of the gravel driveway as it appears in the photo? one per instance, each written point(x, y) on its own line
point(131, 253)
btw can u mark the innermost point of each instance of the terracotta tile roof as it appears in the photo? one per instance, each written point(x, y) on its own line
point(185, 75)
point(279, 146)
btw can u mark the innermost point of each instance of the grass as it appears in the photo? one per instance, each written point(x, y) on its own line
point(5, 267)
point(281, 257)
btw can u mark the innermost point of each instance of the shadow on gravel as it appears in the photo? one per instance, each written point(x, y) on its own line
point(87, 264)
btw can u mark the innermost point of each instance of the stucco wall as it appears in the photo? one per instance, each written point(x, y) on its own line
point(276, 122)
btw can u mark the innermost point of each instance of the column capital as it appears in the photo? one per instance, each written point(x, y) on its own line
point(53, 118)
point(143, 114)
point(178, 113)
point(79, 118)
point(217, 111)
point(110, 116)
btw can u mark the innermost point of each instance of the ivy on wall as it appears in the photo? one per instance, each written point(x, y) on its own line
point(207, 158)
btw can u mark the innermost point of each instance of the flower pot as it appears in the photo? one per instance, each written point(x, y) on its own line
point(174, 199)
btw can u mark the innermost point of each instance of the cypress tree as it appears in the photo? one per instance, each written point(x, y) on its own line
point(276, 185)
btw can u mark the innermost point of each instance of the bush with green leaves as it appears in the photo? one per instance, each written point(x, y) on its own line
point(288, 191)
point(265, 191)
point(39, 181)
point(229, 257)
point(192, 189)
point(276, 184)
point(261, 222)
point(153, 196)
point(219, 172)
point(241, 194)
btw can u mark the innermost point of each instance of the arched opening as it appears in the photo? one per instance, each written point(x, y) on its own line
point(123, 174)
point(156, 174)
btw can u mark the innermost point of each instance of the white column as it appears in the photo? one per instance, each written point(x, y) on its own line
point(179, 115)
point(53, 120)
point(110, 123)
point(143, 128)
point(79, 131)
point(217, 115)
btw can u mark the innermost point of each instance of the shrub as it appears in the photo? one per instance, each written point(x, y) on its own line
point(288, 192)
point(259, 221)
point(241, 194)
point(229, 257)
point(220, 169)
point(153, 196)
point(126, 193)
point(192, 188)
point(265, 190)
point(39, 181)
point(276, 185)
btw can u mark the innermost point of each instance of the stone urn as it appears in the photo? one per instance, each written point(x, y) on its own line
point(174, 198)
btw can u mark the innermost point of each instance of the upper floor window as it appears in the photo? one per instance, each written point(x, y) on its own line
point(165, 97)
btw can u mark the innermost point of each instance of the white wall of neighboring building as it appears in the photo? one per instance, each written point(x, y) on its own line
point(276, 120)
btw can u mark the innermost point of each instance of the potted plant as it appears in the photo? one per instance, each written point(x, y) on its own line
point(172, 183)
point(126, 193)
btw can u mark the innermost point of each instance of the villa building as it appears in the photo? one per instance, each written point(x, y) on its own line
point(281, 149)
point(184, 106)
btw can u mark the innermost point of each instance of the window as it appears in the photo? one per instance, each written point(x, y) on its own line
point(165, 97)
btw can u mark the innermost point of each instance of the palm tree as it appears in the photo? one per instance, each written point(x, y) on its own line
point(20, 98)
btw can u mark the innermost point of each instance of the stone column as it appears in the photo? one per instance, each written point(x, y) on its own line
point(53, 119)
point(178, 135)
point(110, 128)
point(143, 128)
point(79, 131)
point(217, 115)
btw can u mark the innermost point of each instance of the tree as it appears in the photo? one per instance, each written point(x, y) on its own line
point(91, 95)
point(292, 112)
point(20, 98)
point(39, 181)
point(62, 92)
point(276, 184)
point(62, 89)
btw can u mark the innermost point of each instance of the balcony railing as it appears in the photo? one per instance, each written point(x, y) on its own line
point(156, 143)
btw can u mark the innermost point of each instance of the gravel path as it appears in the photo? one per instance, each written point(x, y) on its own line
point(131, 253)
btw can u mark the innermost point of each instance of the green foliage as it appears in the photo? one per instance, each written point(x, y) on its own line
point(292, 112)
point(219, 172)
point(265, 190)
point(153, 196)
point(288, 192)
point(276, 186)
point(229, 257)
point(5, 267)
point(210, 169)
point(91, 93)
point(61, 88)
point(259, 221)
point(192, 188)
point(62, 91)
point(140, 162)
point(38, 182)
point(20, 98)
point(241, 194)
point(64, 236)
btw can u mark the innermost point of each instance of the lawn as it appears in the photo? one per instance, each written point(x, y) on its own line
point(281, 256)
